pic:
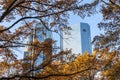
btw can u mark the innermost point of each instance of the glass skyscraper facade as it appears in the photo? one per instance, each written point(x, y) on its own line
point(79, 39)
point(41, 34)
point(85, 38)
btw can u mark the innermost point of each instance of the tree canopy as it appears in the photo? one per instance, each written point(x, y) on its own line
point(110, 25)
point(18, 19)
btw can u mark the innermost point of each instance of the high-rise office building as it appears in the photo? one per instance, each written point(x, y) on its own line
point(40, 34)
point(79, 39)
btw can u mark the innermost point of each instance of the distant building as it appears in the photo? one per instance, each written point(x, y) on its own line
point(79, 39)
point(40, 34)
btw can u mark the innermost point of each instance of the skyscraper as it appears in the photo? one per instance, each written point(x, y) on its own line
point(85, 38)
point(79, 39)
point(41, 34)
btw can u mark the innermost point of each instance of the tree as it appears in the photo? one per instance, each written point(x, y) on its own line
point(17, 21)
point(21, 17)
point(110, 39)
point(110, 64)
point(84, 67)
point(30, 12)
point(110, 25)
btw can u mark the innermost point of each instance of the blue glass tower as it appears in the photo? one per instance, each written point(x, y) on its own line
point(41, 34)
point(85, 37)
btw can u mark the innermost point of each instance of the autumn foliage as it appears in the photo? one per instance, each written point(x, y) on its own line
point(18, 19)
point(83, 67)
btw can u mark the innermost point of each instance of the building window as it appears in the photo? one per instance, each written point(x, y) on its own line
point(84, 30)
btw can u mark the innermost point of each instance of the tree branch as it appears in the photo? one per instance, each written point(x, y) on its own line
point(9, 9)
point(34, 9)
point(37, 17)
point(18, 22)
point(111, 3)
point(47, 76)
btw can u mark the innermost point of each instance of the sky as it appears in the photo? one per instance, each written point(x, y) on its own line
point(92, 21)
point(75, 19)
